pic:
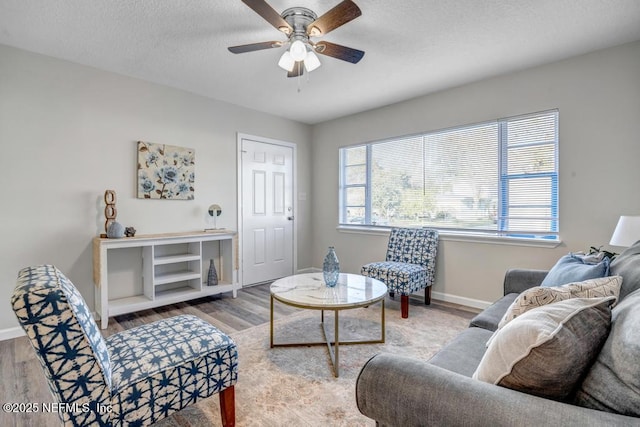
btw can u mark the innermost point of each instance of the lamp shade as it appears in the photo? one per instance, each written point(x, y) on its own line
point(627, 231)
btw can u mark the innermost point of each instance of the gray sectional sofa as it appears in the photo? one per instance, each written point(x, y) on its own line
point(401, 391)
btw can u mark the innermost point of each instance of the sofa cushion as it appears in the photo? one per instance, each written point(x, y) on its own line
point(463, 354)
point(398, 276)
point(491, 316)
point(164, 366)
point(573, 268)
point(613, 382)
point(627, 265)
point(539, 295)
point(547, 350)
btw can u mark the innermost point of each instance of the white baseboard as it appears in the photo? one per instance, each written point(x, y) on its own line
point(11, 333)
point(469, 302)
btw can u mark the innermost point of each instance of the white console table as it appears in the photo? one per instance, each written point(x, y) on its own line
point(174, 268)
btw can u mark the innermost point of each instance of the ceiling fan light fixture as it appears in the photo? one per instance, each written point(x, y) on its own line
point(311, 61)
point(300, 24)
point(286, 61)
point(298, 50)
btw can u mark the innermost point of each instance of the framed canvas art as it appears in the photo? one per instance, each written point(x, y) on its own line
point(165, 171)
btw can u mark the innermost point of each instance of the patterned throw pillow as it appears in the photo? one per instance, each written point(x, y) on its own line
point(539, 296)
point(546, 351)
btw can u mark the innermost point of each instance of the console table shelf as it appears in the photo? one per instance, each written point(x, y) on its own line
point(179, 276)
point(175, 258)
point(173, 268)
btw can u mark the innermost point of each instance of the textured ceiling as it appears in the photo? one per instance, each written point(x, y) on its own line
point(413, 47)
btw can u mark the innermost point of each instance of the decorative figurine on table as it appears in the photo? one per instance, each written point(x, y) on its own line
point(214, 212)
point(110, 213)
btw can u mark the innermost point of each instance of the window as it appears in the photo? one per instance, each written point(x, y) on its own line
point(499, 177)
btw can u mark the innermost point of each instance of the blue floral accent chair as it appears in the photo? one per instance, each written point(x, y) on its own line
point(410, 264)
point(133, 378)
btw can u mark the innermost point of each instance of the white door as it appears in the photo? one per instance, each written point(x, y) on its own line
point(267, 210)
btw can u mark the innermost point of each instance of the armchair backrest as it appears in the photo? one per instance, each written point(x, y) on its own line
point(413, 246)
point(67, 341)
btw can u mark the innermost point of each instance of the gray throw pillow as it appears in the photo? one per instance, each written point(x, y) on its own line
point(627, 265)
point(547, 350)
point(613, 382)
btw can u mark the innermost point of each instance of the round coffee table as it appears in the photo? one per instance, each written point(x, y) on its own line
point(308, 291)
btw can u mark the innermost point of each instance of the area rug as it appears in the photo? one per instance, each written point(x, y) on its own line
point(295, 386)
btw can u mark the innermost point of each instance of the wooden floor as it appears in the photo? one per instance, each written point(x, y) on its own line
point(22, 379)
point(250, 308)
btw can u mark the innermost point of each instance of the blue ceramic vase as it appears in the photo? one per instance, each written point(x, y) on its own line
point(331, 268)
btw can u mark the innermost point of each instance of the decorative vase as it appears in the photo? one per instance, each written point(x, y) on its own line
point(212, 277)
point(331, 268)
point(115, 230)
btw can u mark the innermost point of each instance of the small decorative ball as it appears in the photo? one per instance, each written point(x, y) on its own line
point(115, 230)
point(130, 232)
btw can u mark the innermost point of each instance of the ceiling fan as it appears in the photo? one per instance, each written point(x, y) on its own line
point(300, 24)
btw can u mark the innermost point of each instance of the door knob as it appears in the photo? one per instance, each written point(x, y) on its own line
point(290, 218)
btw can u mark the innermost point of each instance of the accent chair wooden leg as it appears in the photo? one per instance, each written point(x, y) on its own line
point(228, 407)
point(427, 295)
point(404, 306)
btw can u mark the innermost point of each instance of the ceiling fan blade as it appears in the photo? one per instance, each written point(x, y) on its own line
point(254, 46)
point(298, 70)
point(339, 15)
point(337, 51)
point(270, 15)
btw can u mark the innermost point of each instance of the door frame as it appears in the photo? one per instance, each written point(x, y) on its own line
point(294, 180)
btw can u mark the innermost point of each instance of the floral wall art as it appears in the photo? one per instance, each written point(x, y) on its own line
point(165, 171)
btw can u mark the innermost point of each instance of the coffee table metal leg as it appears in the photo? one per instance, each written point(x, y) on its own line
point(334, 351)
point(336, 365)
point(271, 323)
point(381, 323)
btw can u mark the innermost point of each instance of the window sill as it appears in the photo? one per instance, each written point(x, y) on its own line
point(453, 236)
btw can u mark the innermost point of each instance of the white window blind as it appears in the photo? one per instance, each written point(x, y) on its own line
point(498, 177)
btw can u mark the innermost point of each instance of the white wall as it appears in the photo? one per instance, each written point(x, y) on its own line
point(598, 96)
point(69, 132)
